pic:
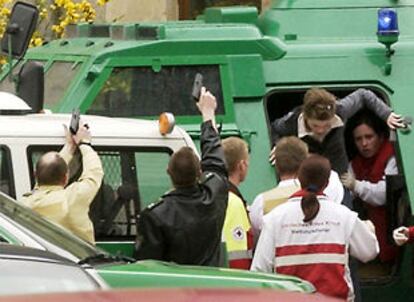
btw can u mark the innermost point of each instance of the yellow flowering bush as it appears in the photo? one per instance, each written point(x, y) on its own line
point(54, 16)
point(4, 15)
point(71, 12)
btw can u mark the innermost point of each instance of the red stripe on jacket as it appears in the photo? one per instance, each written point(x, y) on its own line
point(328, 248)
point(324, 276)
point(240, 263)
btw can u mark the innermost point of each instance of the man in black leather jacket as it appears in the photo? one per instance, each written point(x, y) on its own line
point(185, 225)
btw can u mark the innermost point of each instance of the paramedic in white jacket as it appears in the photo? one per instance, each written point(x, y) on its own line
point(311, 237)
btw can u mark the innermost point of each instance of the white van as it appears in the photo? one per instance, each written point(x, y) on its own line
point(133, 152)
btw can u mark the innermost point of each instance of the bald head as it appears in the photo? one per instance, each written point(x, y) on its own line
point(51, 169)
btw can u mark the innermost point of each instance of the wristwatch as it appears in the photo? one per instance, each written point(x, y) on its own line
point(85, 143)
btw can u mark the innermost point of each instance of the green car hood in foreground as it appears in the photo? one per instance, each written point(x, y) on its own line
point(151, 273)
point(20, 225)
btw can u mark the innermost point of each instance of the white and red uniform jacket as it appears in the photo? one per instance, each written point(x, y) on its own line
point(316, 251)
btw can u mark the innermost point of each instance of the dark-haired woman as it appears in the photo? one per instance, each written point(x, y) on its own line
point(311, 237)
point(374, 160)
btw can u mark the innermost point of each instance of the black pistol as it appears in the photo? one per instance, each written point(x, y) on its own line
point(74, 121)
point(198, 83)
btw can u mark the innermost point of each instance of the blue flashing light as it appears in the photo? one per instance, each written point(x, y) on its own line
point(387, 22)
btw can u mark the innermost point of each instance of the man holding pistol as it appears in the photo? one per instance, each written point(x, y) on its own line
point(52, 197)
point(185, 225)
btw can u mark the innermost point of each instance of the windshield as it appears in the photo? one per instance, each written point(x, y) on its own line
point(32, 222)
point(57, 79)
point(7, 85)
point(141, 91)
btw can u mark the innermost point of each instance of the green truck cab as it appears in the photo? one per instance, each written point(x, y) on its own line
point(259, 68)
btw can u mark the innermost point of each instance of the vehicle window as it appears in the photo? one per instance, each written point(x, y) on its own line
point(154, 181)
point(280, 102)
point(140, 91)
point(6, 237)
point(133, 179)
point(30, 277)
point(6, 176)
point(57, 79)
point(7, 84)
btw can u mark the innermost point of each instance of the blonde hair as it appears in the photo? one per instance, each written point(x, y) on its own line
point(235, 150)
point(319, 104)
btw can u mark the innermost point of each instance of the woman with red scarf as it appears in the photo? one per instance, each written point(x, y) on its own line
point(366, 178)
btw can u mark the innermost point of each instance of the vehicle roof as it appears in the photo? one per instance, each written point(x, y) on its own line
point(173, 37)
point(288, 4)
point(9, 101)
point(177, 295)
point(50, 125)
point(10, 251)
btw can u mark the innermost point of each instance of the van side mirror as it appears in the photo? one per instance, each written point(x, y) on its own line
point(30, 85)
point(19, 30)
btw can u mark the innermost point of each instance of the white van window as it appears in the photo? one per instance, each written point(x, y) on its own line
point(6, 176)
point(134, 178)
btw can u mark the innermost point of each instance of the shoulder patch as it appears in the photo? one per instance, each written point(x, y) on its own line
point(154, 204)
point(27, 194)
point(206, 176)
point(238, 233)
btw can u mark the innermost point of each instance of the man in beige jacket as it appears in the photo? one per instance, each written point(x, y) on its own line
point(67, 205)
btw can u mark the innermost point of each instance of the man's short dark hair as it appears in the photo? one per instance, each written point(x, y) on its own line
point(184, 168)
point(51, 169)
